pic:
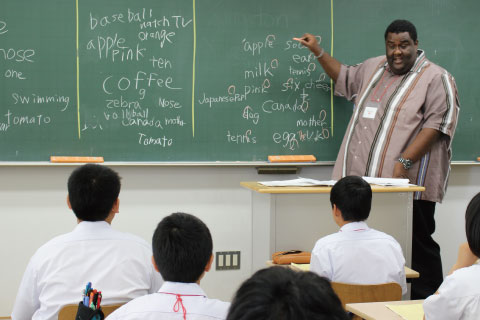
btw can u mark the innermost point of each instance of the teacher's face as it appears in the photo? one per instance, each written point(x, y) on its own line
point(401, 52)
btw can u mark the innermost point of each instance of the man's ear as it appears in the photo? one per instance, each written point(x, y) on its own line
point(154, 264)
point(337, 213)
point(209, 263)
point(116, 206)
point(68, 202)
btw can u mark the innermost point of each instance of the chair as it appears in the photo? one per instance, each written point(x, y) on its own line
point(358, 293)
point(69, 311)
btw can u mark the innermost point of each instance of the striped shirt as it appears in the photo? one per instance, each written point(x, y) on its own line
point(390, 110)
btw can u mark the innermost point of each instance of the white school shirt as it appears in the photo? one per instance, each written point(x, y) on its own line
point(117, 263)
point(458, 297)
point(171, 302)
point(360, 255)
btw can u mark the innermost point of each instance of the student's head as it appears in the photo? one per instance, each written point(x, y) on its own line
point(472, 225)
point(182, 248)
point(279, 293)
point(401, 46)
point(93, 191)
point(353, 197)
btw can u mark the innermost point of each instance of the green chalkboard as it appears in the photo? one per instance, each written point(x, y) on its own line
point(206, 80)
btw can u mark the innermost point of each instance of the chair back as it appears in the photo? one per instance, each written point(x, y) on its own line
point(69, 311)
point(357, 293)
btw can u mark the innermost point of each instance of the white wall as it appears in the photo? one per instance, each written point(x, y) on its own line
point(33, 210)
point(450, 215)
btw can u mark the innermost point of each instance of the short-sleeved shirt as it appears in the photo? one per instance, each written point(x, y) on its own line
point(458, 297)
point(171, 302)
point(390, 110)
point(118, 264)
point(359, 255)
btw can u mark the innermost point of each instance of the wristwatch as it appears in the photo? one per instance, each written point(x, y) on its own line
point(407, 163)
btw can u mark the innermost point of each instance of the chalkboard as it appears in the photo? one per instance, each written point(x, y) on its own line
point(209, 80)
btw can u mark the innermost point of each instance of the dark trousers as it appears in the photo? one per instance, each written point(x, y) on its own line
point(426, 257)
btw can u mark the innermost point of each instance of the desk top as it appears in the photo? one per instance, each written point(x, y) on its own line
point(409, 273)
point(378, 310)
point(255, 186)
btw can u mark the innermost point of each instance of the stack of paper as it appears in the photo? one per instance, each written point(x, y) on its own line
point(305, 182)
point(408, 311)
point(387, 181)
point(300, 182)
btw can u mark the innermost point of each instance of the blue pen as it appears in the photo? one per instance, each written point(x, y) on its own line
point(86, 294)
point(85, 301)
point(89, 286)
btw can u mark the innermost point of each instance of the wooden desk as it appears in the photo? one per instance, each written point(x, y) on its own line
point(378, 310)
point(260, 188)
point(274, 228)
point(409, 273)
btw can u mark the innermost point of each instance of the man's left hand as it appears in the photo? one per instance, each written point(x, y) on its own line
point(399, 171)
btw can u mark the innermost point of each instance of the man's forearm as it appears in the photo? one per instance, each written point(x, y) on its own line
point(330, 65)
point(417, 149)
point(421, 144)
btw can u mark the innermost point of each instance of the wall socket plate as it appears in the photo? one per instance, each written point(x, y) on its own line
point(227, 260)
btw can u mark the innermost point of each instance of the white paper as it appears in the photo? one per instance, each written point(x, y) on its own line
point(300, 182)
point(387, 181)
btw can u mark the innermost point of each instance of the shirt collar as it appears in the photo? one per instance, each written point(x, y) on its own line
point(182, 288)
point(92, 226)
point(355, 226)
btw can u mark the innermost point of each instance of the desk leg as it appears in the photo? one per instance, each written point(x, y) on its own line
point(263, 229)
point(409, 206)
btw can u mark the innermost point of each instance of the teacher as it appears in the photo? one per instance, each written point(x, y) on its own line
point(402, 126)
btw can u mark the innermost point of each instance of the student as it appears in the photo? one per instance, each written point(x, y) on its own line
point(459, 295)
point(116, 263)
point(357, 254)
point(281, 293)
point(182, 253)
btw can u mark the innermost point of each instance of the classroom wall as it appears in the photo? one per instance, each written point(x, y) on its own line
point(33, 210)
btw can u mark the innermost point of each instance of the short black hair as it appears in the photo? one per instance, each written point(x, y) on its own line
point(472, 225)
point(280, 293)
point(399, 26)
point(182, 246)
point(92, 191)
point(353, 196)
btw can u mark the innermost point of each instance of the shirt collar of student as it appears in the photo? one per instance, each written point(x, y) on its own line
point(182, 288)
point(355, 226)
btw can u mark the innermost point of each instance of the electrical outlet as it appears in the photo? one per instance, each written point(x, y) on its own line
point(227, 260)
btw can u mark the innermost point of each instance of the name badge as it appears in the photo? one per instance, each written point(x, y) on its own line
point(370, 110)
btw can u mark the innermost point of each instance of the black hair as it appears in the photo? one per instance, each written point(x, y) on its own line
point(182, 246)
point(399, 26)
point(353, 196)
point(472, 225)
point(279, 293)
point(92, 191)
